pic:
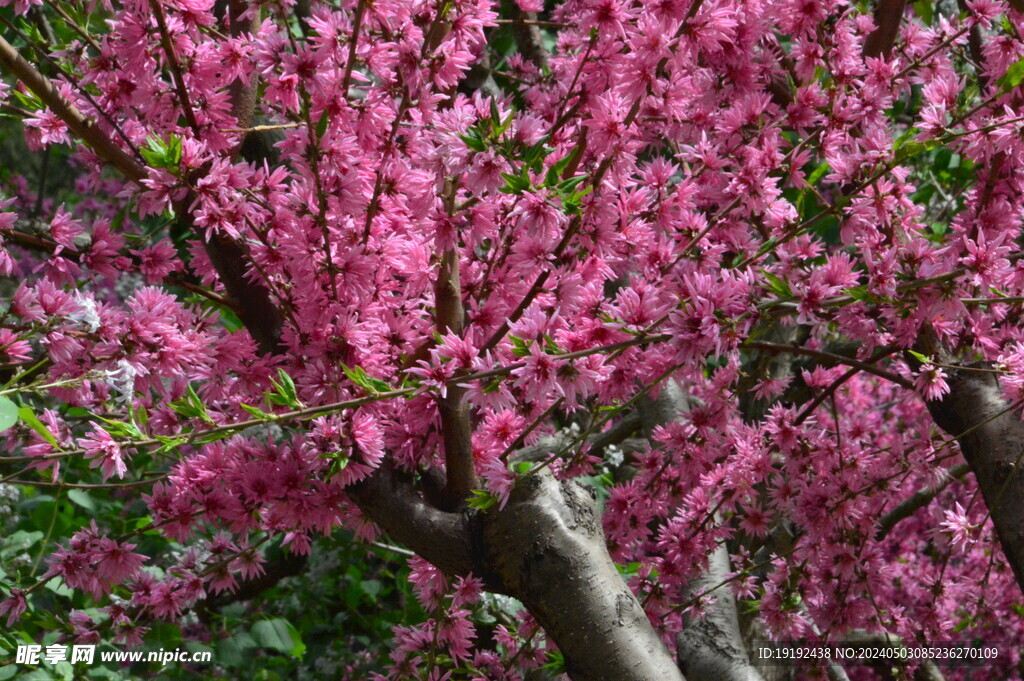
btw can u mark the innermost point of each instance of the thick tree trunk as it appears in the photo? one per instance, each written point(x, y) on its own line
point(545, 548)
point(992, 440)
point(711, 648)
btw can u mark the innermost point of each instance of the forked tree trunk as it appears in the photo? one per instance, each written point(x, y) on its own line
point(546, 548)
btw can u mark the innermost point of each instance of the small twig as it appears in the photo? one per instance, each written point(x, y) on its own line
point(917, 501)
point(172, 58)
point(838, 359)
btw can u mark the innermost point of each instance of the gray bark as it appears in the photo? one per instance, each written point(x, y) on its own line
point(548, 549)
point(545, 548)
point(711, 648)
point(992, 440)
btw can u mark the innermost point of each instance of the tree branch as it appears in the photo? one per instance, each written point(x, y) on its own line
point(456, 429)
point(917, 501)
point(831, 357)
point(242, 93)
point(256, 308)
point(711, 648)
point(526, 30)
point(888, 15)
point(80, 126)
point(390, 499)
point(991, 437)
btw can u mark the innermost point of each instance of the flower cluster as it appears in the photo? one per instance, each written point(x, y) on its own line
point(752, 203)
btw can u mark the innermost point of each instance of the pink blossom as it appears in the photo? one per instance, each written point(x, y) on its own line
point(962, 531)
point(931, 382)
point(105, 452)
point(14, 606)
point(117, 563)
point(498, 478)
point(52, 130)
point(13, 349)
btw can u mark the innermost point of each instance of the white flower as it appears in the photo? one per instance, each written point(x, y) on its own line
point(88, 314)
point(122, 380)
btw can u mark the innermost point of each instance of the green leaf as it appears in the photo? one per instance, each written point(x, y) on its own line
point(493, 386)
point(58, 587)
point(1013, 77)
point(520, 347)
point(551, 347)
point(174, 152)
point(82, 498)
point(371, 587)
point(514, 184)
point(923, 9)
point(160, 154)
point(234, 651)
point(339, 462)
point(191, 406)
point(279, 634)
point(555, 664)
point(474, 142)
point(919, 357)
point(27, 100)
point(777, 285)
point(40, 674)
point(359, 376)
point(167, 636)
point(906, 147)
point(537, 152)
point(818, 173)
point(29, 417)
point(168, 444)
point(285, 394)
point(861, 294)
point(573, 202)
point(321, 126)
point(212, 437)
point(256, 413)
point(482, 500)
point(500, 129)
point(118, 428)
point(8, 413)
point(19, 541)
point(551, 178)
point(566, 186)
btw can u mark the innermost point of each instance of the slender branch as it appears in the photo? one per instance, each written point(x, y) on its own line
point(917, 501)
point(172, 58)
point(174, 278)
point(83, 485)
point(334, 407)
point(357, 25)
point(838, 359)
point(888, 14)
point(81, 126)
point(456, 429)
